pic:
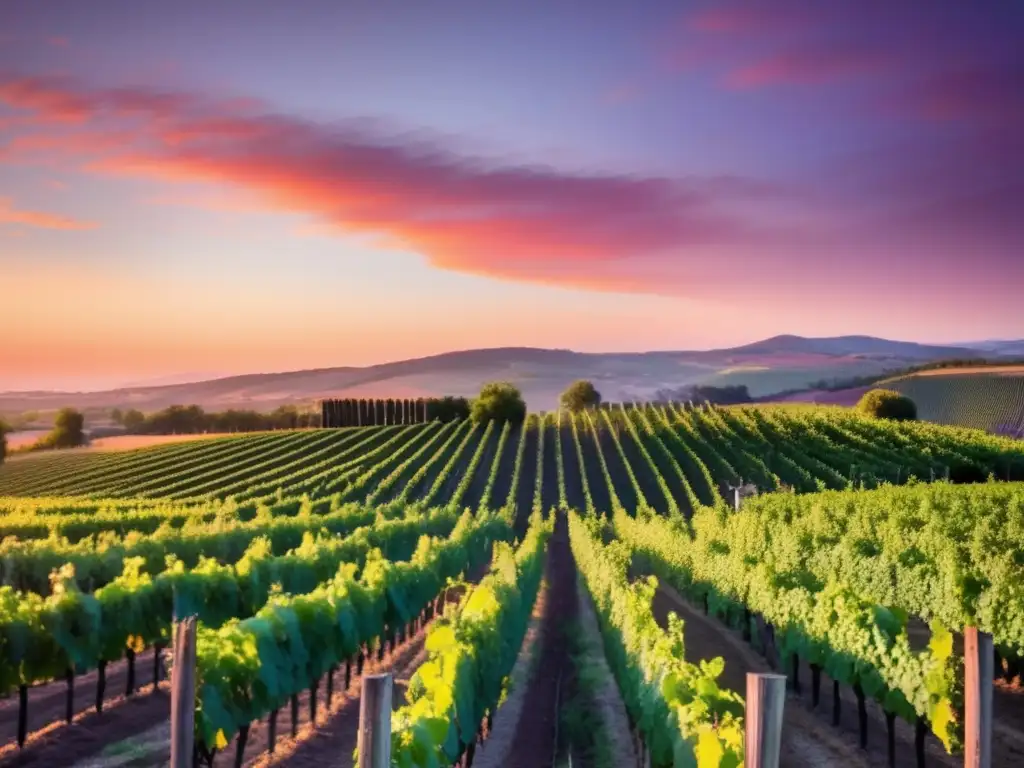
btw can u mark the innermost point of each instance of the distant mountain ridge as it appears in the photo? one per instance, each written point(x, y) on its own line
point(856, 346)
point(775, 364)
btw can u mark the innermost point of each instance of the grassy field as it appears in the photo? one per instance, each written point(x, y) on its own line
point(105, 543)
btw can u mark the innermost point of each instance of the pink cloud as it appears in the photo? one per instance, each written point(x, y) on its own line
point(39, 219)
point(52, 102)
point(526, 223)
point(797, 67)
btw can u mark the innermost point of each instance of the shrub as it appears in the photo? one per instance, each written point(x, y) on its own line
point(4, 429)
point(581, 395)
point(68, 431)
point(887, 404)
point(499, 401)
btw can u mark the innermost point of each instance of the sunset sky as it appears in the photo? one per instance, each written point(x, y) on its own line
point(207, 188)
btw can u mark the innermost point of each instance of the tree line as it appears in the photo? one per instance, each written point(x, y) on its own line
point(192, 419)
point(497, 401)
point(366, 412)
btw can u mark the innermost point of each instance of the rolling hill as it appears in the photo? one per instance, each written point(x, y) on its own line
point(779, 363)
point(990, 400)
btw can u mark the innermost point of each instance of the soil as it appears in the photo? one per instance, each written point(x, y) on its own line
point(493, 753)
point(675, 443)
point(670, 470)
point(482, 473)
point(527, 480)
point(644, 472)
point(607, 703)
point(458, 468)
point(537, 742)
point(400, 485)
point(1007, 696)
point(506, 466)
point(592, 466)
point(804, 742)
point(47, 704)
point(808, 736)
point(92, 733)
point(549, 489)
point(333, 739)
point(385, 464)
point(617, 469)
point(573, 479)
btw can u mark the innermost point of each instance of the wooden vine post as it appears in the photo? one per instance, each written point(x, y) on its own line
point(979, 670)
point(741, 492)
point(183, 693)
point(374, 742)
point(766, 696)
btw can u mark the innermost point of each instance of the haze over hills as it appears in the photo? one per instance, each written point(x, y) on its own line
point(862, 346)
point(1002, 348)
point(771, 365)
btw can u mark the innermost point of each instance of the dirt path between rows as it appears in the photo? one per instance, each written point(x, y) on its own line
point(1007, 698)
point(493, 753)
point(47, 708)
point(527, 479)
point(805, 744)
point(506, 467)
point(606, 700)
point(537, 741)
point(91, 733)
point(621, 482)
point(549, 468)
point(571, 466)
point(482, 474)
point(333, 741)
point(809, 738)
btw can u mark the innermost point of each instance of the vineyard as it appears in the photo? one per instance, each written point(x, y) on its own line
point(861, 559)
point(989, 401)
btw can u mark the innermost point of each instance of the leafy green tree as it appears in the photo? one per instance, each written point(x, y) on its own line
point(284, 417)
point(116, 415)
point(581, 395)
point(68, 431)
point(133, 420)
point(498, 401)
point(887, 404)
point(4, 429)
